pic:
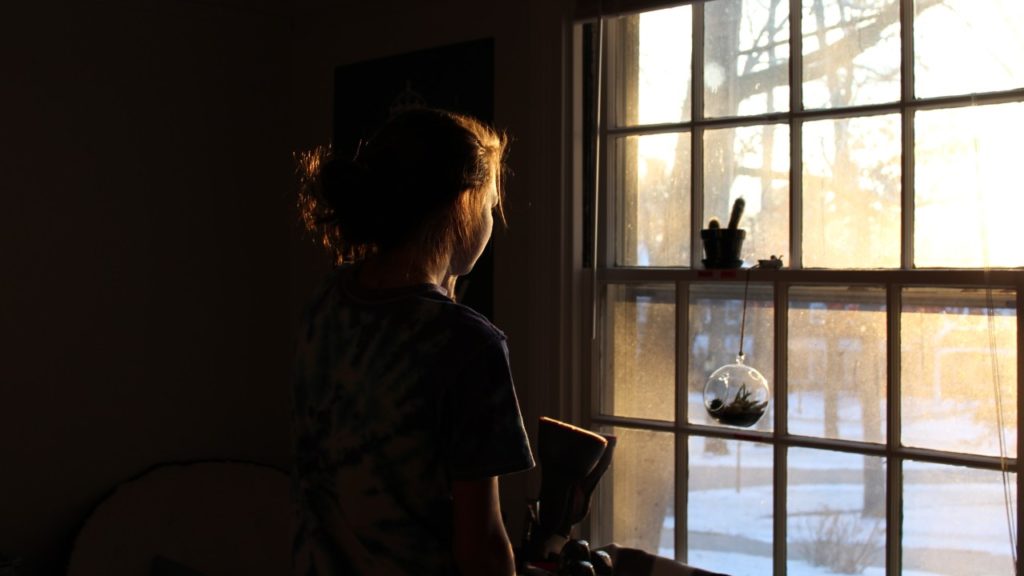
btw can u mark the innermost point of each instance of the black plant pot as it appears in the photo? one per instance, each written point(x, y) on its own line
point(722, 247)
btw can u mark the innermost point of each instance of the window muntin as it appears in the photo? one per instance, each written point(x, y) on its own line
point(872, 156)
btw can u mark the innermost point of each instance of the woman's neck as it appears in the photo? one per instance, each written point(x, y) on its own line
point(400, 267)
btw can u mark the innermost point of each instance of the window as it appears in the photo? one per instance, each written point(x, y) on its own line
point(877, 146)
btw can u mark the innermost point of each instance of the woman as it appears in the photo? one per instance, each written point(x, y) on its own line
point(405, 410)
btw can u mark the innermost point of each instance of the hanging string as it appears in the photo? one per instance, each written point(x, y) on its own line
point(743, 317)
point(993, 349)
point(997, 393)
point(1000, 420)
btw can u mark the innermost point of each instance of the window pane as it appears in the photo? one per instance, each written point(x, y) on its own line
point(836, 362)
point(851, 188)
point(968, 46)
point(729, 506)
point(716, 310)
point(835, 513)
point(746, 57)
point(635, 499)
point(955, 520)
point(967, 197)
point(653, 218)
point(959, 370)
point(851, 53)
point(752, 162)
point(655, 57)
point(642, 332)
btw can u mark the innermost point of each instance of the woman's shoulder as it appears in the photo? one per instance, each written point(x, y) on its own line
point(419, 304)
point(463, 320)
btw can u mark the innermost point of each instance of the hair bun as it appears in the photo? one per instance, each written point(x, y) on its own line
point(350, 189)
point(406, 183)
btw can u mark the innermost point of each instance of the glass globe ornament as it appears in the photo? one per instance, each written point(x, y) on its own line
point(736, 394)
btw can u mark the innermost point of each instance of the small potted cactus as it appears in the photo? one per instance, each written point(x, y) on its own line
point(722, 245)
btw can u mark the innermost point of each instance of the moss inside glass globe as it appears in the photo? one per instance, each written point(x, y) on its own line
point(736, 395)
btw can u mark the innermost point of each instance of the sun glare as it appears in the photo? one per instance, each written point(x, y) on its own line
point(967, 190)
point(969, 195)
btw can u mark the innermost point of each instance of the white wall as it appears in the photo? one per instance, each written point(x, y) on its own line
point(153, 265)
point(143, 302)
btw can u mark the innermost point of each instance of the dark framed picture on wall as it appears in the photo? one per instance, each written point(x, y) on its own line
point(456, 77)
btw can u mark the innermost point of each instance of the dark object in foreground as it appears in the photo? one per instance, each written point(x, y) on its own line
point(572, 461)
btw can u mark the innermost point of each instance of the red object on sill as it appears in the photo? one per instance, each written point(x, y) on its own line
point(722, 274)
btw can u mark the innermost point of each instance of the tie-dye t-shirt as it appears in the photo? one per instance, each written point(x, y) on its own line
point(396, 394)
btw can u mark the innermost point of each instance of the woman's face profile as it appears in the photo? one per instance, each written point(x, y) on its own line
point(466, 256)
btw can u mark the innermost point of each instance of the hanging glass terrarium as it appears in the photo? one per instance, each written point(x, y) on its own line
point(736, 394)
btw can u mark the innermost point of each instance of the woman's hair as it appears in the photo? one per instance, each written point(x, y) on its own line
point(421, 178)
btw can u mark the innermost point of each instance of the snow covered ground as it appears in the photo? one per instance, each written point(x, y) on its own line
point(954, 519)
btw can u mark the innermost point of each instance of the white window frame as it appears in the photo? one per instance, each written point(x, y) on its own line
point(588, 285)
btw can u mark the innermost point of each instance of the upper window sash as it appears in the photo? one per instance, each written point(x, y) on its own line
point(591, 9)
